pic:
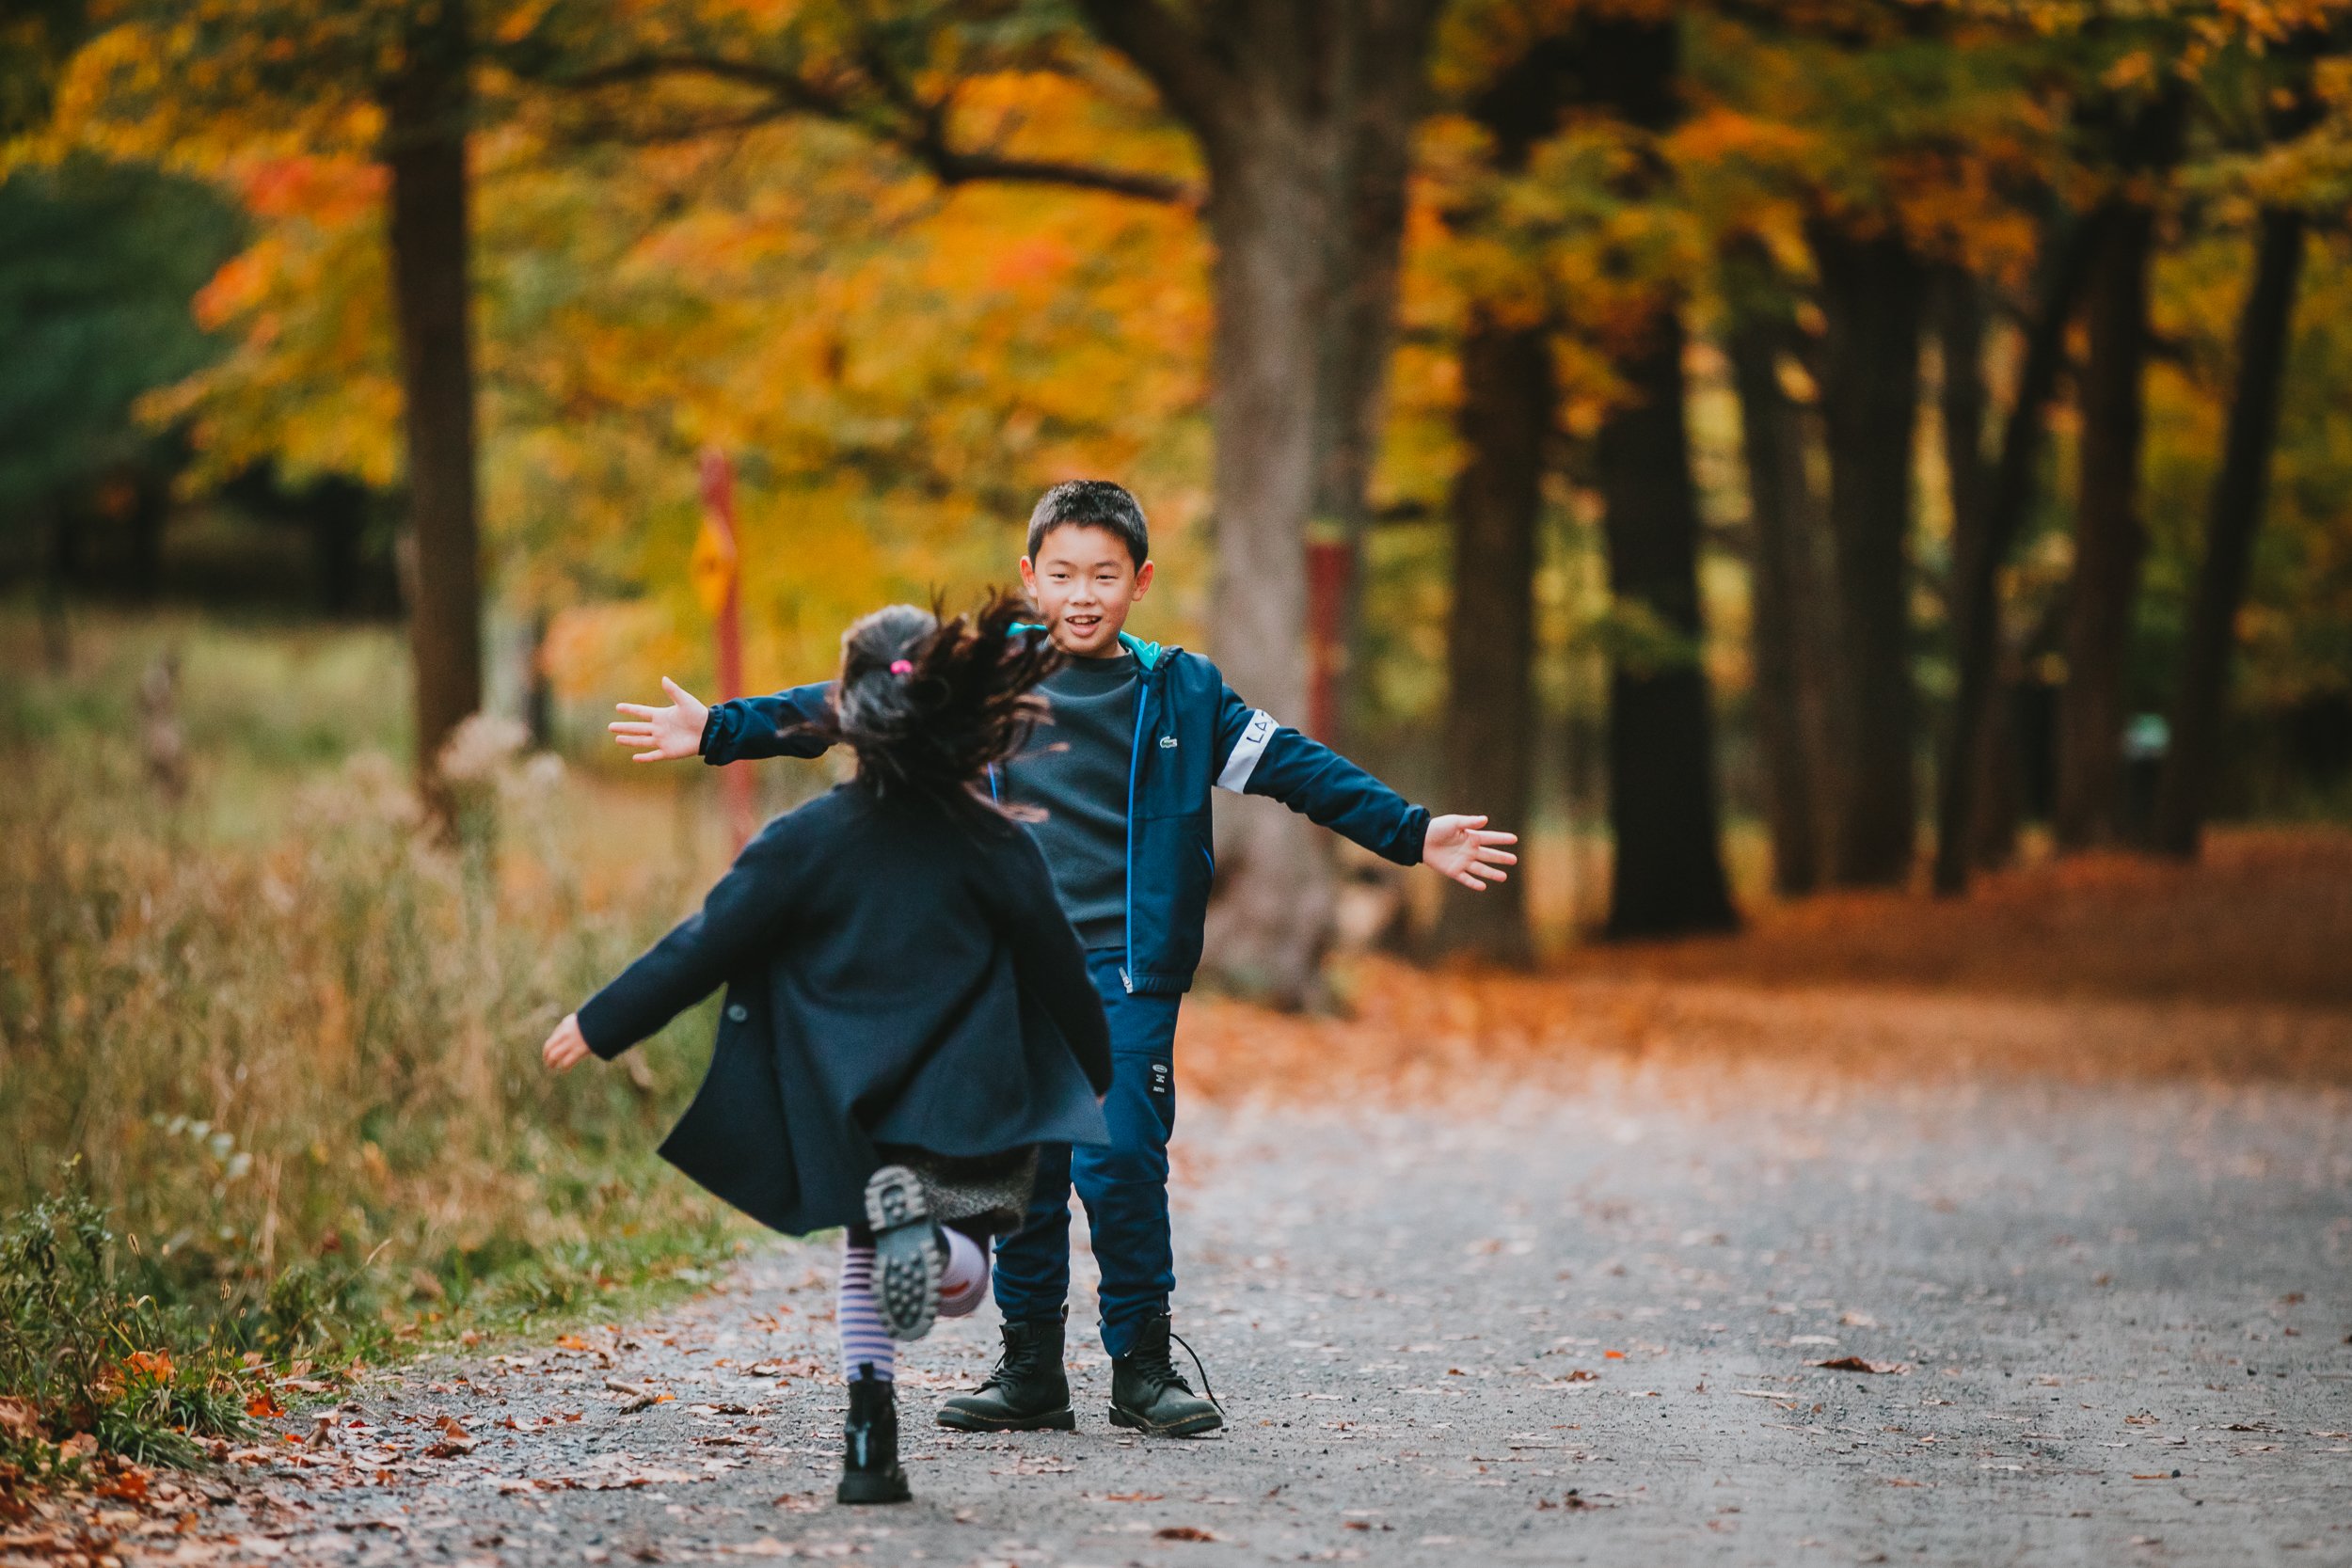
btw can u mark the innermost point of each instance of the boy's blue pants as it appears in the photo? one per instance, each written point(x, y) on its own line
point(1123, 1184)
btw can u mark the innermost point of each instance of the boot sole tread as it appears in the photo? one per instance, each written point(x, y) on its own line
point(907, 1264)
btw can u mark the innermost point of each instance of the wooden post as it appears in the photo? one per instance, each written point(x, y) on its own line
point(719, 579)
point(1328, 567)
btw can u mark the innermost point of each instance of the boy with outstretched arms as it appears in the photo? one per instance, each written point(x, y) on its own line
point(1119, 789)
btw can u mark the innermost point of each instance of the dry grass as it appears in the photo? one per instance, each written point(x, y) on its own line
point(289, 1042)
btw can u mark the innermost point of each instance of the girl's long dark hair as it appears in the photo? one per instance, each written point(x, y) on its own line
point(930, 704)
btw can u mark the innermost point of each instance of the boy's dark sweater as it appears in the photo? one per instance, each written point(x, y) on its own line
point(1076, 773)
point(898, 972)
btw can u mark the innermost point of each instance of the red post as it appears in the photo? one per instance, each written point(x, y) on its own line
point(1328, 566)
point(717, 557)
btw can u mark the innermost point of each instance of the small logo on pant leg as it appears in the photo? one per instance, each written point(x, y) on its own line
point(1163, 1080)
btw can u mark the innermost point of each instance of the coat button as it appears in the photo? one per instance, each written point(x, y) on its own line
point(737, 1012)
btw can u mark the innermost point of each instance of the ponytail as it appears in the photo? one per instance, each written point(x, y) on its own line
point(930, 705)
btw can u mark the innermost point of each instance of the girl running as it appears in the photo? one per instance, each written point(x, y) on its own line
point(908, 1012)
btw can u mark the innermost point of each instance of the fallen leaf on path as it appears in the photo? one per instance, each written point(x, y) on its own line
point(1181, 1532)
point(130, 1486)
point(637, 1479)
point(1856, 1364)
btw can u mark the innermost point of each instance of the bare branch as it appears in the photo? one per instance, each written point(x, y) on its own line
point(959, 168)
point(901, 120)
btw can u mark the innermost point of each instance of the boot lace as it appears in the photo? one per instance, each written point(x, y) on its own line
point(1019, 1358)
point(1160, 1366)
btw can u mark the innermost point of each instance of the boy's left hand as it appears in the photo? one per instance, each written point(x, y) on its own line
point(566, 1047)
point(1464, 849)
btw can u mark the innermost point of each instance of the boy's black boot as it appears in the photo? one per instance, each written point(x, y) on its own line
point(1027, 1390)
point(1147, 1393)
point(869, 1458)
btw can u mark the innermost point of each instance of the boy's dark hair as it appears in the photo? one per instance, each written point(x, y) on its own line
point(1092, 503)
point(928, 706)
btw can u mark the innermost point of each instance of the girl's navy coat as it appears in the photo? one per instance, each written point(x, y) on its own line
point(898, 972)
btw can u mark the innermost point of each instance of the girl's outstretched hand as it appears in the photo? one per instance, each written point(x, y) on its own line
point(662, 733)
point(1463, 849)
point(566, 1047)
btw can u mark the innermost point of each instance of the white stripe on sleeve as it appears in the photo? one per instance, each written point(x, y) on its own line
point(1243, 761)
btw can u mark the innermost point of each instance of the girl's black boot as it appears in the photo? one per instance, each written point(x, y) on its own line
point(869, 1459)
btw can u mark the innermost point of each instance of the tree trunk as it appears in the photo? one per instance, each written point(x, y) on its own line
point(1668, 878)
point(1964, 403)
point(1505, 424)
point(1978, 553)
point(538, 687)
point(2265, 334)
point(1784, 581)
point(1505, 421)
point(1304, 110)
point(1873, 294)
point(426, 107)
point(2109, 540)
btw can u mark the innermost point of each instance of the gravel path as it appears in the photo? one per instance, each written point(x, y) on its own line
point(1573, 1326)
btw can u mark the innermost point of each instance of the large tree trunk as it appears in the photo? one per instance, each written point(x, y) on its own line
point(1978, 553)
point(1785, 588)
point(1272, 922)
point(2265, 334)
point(1505, 423)
point(1873, 293)
point(2109, 540)
point(426, 106)
point(1668, 877)
point(1304, 110)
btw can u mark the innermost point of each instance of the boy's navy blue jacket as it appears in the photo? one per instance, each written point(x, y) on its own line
point(1192, 734)
point(898, 972)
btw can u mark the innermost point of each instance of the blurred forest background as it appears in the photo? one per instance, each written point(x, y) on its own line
point(1756, 448)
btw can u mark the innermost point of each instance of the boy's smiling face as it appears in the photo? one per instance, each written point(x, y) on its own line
point(1085, 582)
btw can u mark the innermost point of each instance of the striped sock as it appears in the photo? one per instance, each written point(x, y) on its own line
point(863, 1341)
point(965, 1282)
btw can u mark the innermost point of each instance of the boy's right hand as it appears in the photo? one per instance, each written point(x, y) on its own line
point(664, 734)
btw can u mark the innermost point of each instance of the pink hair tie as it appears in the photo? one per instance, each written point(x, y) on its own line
point(902, 667)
